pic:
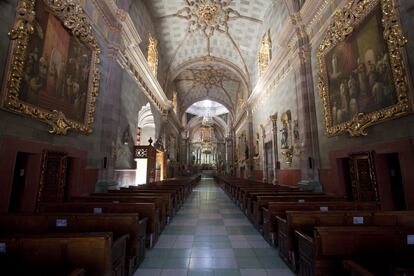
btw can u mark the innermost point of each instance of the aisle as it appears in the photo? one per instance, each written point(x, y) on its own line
point(211, 236)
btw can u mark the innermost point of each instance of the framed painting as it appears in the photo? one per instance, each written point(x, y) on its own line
point(363, 72)
point(52, 69)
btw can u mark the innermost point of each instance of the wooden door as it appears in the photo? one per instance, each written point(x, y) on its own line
point(363, 179)
point(53, 177)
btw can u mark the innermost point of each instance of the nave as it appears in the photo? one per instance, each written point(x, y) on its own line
point(211, 236)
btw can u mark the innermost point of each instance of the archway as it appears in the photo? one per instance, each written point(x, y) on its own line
point(146, 126)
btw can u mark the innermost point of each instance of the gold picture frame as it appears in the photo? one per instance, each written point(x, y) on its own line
point(52, 70)
point(363, 72)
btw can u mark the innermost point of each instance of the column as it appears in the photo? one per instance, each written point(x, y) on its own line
point(273, 119)
point(250, 143)
point(309, 159)
point(264, 165)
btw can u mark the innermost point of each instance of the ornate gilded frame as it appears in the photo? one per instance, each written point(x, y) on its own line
point(344, 21)
point(74, 19)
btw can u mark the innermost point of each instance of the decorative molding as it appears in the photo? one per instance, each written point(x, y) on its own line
point(133, 60)
point(129, 55)
point(152, 58)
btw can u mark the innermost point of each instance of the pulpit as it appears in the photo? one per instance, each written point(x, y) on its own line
point(151, 164)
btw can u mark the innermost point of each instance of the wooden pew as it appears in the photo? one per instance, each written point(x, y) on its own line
point(144, 210)
point(275, 209)
point(98, 253)
point(322, 251)
point(358, 268)
point(256, 215)
point(118, 224)
point(305, 221)
point(167, 198)
point(173, 193)
point(42, 270)
point(115, 198)
point(259, 202)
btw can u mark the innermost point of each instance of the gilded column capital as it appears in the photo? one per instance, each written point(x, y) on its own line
point(273, 119)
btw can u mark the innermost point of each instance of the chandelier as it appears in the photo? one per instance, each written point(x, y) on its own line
point(207, 121)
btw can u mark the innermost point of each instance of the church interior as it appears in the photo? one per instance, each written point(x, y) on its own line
point(207, 137)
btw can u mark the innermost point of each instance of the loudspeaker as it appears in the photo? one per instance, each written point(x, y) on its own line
point(310, 162)
point(105, 162)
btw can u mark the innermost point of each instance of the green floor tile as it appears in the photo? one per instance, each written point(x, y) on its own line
point(200, 272)
point(241, 230)
point(248, 262)
point(176, 263)
point(153, 262)
point(265, 252)
point(272, 262)
point(226, 272)
point(244, 252)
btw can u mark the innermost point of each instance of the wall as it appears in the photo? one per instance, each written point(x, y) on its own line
point(384, 132)
point(132, 99)
point(285, 93)
point(120, 98)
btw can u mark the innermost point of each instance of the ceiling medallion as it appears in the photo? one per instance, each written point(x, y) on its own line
point(208, 77)
point(208, 16)
point(208, 13)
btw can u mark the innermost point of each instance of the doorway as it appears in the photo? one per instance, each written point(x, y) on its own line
point(363, 178)
point(19, 183)
point(53, 177)
point(396, 182)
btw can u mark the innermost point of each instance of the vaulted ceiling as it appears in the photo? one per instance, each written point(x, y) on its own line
point(214, 82)
point(220, 34)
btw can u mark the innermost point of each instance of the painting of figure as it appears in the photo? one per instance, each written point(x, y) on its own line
point(57, 73)
point(359, 72)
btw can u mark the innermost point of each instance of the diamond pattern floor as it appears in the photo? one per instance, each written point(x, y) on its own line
point(211, 236)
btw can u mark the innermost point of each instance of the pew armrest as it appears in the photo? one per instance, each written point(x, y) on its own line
point(356, 269)
point(119, 252)
point(77, 272)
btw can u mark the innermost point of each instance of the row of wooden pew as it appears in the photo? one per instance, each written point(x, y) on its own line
point(98, 234)
point(322, 234)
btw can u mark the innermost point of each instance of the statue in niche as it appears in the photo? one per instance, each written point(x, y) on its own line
point(296, 131)
point(257, 145)
point(285, 135)
point(126, 136)
point(246, 149)
point(138, 137)
point(286, 120)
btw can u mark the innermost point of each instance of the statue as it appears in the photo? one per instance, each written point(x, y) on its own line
point(285, 135)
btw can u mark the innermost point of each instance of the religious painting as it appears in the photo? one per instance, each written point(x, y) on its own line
point(52, 71)
point(363, 78)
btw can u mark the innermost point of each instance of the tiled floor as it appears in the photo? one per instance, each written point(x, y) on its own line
point(211, 236)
